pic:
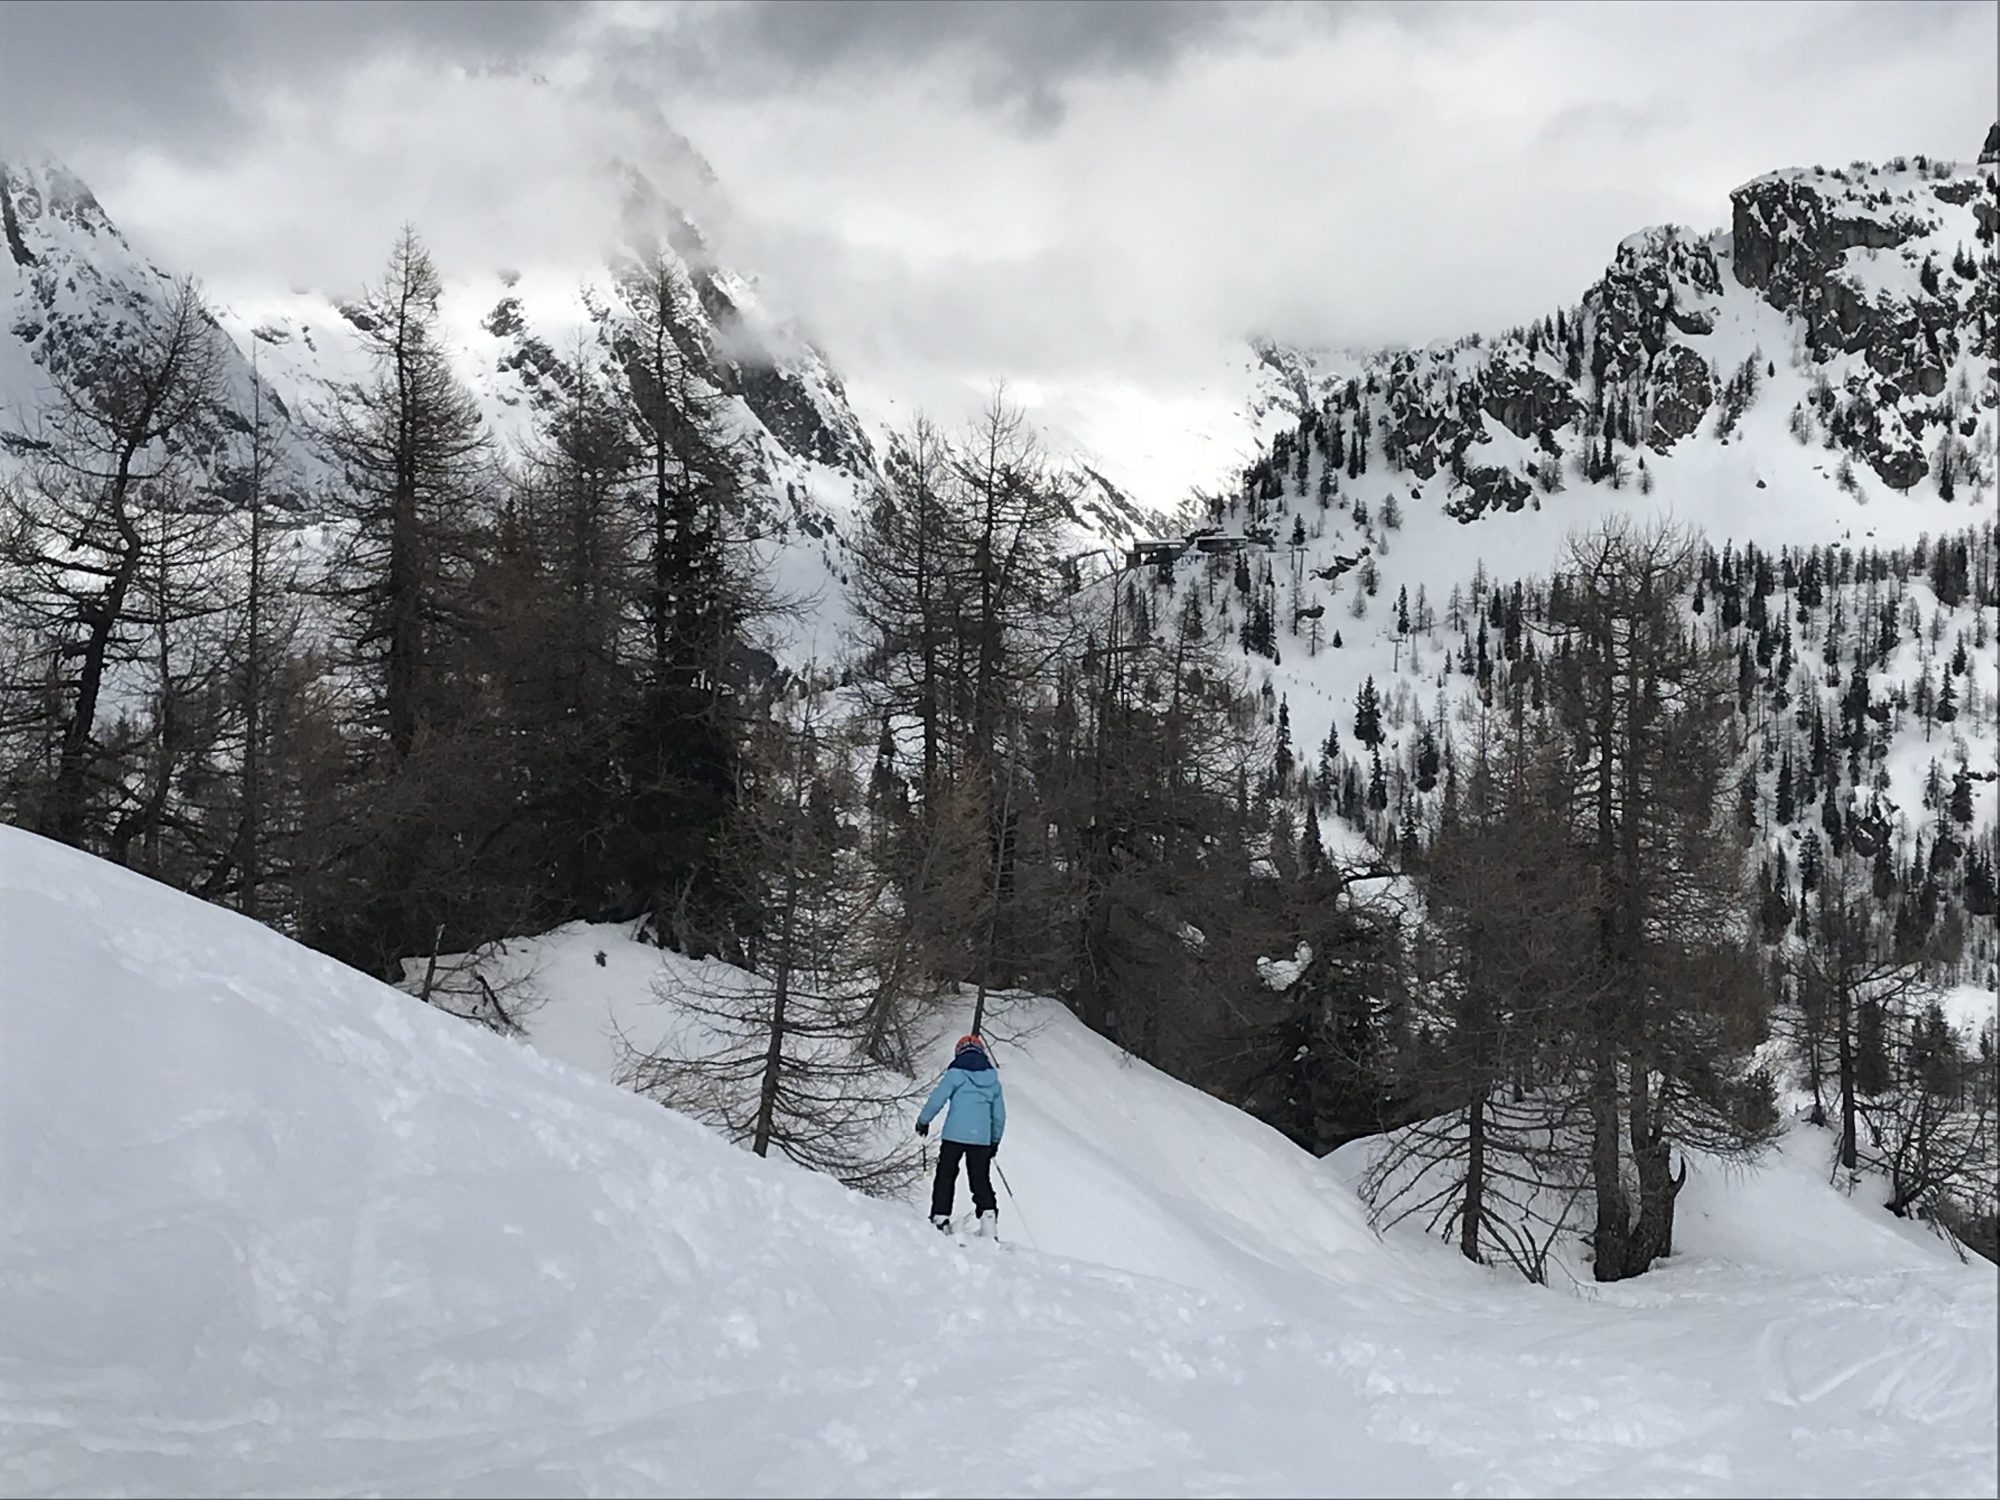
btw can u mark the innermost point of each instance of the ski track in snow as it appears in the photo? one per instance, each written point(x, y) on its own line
point(274, 1228)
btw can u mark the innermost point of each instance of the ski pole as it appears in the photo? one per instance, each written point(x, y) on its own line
point(1016, 1202)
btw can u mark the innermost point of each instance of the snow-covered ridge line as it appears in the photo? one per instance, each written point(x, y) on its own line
point(1876, 273)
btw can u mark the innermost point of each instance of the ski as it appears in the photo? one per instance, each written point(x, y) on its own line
point(964, 1230)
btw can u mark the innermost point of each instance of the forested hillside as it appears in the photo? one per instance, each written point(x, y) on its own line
point(1565, 752)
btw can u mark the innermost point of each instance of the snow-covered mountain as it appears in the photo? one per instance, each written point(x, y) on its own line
point(1816, 384)
point(77, 297)
point(1819, 373)
point(1865, 293)
point(73, 289)
point(275, 1227)
point(1851, 300)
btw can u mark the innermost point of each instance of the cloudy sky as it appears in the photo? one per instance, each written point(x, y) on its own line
point(1095, 201)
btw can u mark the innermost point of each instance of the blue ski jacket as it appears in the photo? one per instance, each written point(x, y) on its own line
point(978, 1109)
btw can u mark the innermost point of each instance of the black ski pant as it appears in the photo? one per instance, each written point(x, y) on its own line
point(978, 1170)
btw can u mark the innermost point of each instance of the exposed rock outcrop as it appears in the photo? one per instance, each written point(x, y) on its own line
point(1873, 268)
point(1488, 489)
point(1526, 399)
point(1683, 390)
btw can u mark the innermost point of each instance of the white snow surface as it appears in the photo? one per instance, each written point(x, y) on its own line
point(273, 1227)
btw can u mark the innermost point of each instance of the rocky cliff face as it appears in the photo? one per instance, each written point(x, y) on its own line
point(1876, 283)
point(1813, 245)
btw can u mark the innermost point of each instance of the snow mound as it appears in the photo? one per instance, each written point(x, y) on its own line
point(274, 1227)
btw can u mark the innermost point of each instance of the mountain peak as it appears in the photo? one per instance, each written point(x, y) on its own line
point(40, 188)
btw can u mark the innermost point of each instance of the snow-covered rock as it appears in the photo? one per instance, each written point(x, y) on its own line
point(1860, 279)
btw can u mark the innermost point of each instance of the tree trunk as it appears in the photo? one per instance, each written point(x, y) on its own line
point(249, 850)
point(166, 726)
point(781, 979)
point(406, 584)
point(930, 707)
point(774, 1056)
point(662, 570)
point(1845, 1021)
point(1472, 1214)
point(66, 805)
point(1611, 1239)
point(1653, 1235)
point(781, 989)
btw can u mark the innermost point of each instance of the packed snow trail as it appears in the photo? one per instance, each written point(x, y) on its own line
point(273, 1227)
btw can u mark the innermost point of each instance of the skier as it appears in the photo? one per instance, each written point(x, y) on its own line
point(971, 1130)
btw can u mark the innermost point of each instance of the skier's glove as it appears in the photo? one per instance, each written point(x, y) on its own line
point(922, 1128)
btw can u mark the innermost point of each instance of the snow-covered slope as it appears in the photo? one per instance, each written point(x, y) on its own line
point(457, 1267)
point(275, 1227)
point(1228, 1204)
